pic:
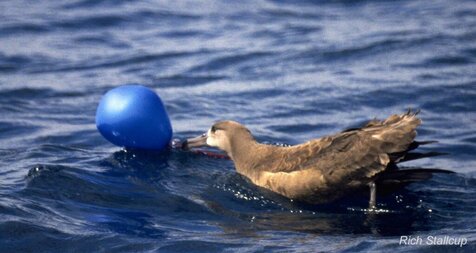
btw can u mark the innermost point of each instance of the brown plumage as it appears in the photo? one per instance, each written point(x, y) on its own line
point(324, 169)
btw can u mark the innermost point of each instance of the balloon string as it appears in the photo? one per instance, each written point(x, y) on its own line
point(210, 154)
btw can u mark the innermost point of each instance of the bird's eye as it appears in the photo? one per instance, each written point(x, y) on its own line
point(213, 129)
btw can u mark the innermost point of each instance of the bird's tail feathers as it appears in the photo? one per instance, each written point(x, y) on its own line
point(406, 176)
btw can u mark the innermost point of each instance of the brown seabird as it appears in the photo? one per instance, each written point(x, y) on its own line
point(325, 169)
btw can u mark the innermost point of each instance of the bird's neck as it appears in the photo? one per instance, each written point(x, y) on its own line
point(251, 157)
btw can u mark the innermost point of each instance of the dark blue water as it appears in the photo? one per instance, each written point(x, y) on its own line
point(289, 70)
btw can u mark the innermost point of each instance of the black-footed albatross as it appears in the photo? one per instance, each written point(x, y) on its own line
point(325, 169)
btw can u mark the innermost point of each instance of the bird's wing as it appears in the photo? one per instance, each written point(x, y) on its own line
point(356, 155)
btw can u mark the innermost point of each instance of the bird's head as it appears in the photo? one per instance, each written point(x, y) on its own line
point(224, 135)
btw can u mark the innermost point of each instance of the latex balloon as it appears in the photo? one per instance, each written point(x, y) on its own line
point(134, 116)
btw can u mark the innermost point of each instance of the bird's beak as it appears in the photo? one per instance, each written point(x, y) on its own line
point(198, 141)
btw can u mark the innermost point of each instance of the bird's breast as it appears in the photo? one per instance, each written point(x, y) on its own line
point(294, 185)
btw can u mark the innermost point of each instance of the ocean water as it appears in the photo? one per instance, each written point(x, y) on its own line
point(289, 70)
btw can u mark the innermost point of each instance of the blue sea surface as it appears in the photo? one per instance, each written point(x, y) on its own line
point(289, 70)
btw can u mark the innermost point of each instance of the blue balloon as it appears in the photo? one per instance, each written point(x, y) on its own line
point(133, 116)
